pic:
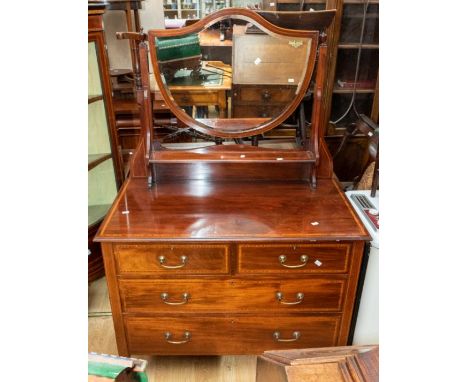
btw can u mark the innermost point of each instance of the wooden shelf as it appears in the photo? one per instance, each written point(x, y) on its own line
point(356, 46)
point(338, 90)
point(232, 154)
point(95, 159)
point(94, 98)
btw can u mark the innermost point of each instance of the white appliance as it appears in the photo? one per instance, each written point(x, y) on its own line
point(366, 331)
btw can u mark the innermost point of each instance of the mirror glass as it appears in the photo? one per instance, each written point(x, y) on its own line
point(234, 75)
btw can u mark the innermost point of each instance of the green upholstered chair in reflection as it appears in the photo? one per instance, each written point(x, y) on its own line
point(178, 53)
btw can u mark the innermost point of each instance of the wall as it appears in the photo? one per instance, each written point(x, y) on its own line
point(151, 16)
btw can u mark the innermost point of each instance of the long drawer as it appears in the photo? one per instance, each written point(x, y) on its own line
point(172, 260)
point(193, 98)
point(264, 93)
point(228, 335)
point(282, 296)
point(293, 258)
point(257, 111)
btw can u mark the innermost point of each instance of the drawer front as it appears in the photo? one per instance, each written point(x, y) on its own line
point(198, 335)
point(318, 294)
point(256, 111)
point(290, 258)
point(194, 98)
point(172, 260)
point(264, 94)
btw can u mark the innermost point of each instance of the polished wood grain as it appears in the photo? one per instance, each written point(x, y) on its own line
point(234, 171)
point(232, 154)
point(101, 339)
point(208, 296)
point(228, 335)
point(203, 210)
point(113, 288)
point(144, 259)
point(322, 258)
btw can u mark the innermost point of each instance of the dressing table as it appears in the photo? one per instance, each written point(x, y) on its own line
point(231, 248)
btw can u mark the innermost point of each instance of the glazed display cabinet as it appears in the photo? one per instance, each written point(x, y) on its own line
point(104, 167)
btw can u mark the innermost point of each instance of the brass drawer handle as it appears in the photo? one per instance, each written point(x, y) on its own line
point(168, 337)
point(299, 296)
point(162, 260)
point(277, 337)
point(165, 297)
point(266, 95)
point(304, 259)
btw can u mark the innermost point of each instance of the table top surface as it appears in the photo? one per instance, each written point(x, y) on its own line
point(225, 84)
point(231, 211)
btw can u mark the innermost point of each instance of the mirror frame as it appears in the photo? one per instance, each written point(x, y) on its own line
point(247, 15)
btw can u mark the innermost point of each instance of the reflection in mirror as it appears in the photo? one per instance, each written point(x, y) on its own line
point(248, 82)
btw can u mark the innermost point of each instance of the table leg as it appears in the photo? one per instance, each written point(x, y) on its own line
point(222, 103)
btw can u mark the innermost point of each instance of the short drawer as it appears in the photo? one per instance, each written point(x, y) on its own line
point(202, 335)
point(268, 94)
point(294, 258)
point(313, 294)
point(194, 98)
point(177, 259)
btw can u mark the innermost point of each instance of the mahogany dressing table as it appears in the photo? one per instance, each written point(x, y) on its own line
point(229, 248)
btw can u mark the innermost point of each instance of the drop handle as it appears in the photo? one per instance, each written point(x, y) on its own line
point(299, 297)
point(165, 297)
point(266, 95)
point(277, 337)
point(304, 259)
point(162, 261)
point(168, 336)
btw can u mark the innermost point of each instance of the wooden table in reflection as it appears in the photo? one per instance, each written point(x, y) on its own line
point(200, 95)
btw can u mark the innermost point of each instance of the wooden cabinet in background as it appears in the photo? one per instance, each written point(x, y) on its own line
point(104, 164)
point(263, 91)
point(343, 100)
point(357, 28)
point(260, 101)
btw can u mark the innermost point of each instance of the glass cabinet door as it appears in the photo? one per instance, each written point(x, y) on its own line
point(182, 9)
point(102, 185)
point(209, 6)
